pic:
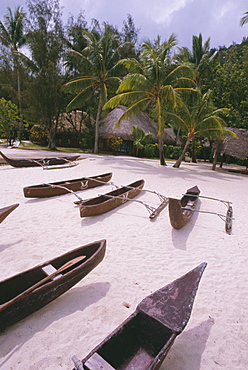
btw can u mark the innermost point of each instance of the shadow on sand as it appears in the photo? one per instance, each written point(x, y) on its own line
point(188, 348)
point(76, 299)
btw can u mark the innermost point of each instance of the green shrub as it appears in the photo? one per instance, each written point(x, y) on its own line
point(151, 150)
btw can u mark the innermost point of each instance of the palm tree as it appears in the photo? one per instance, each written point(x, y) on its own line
point(140, 138)
point(200, 119)
point(196, 58)
point(100, 57)
point(12, 36)
point(153, 84)
point(244, 19)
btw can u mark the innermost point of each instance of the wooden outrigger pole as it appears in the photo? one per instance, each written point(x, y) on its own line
point(154, 212)
point(227, 218)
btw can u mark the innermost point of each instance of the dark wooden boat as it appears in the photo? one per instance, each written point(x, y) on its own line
point(30, 290)
point(181, 210)
point(143, 340)
point(111, 200)
point(5, 211)
point(63, 187)
point(48, 161)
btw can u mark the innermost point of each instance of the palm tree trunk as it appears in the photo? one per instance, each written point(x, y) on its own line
point(193, 151)
point(98, 115)
point(19, 103)
point(215, 159)
point(161, 151)
point(179, 161)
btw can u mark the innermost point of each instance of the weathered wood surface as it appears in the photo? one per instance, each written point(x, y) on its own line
point(143, 340)
point(5, 211)
point(106, 202)
point(181, 210)
point(40, 162)
point(49, 290)
point(65, 186)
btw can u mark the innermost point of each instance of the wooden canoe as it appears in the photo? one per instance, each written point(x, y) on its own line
point(107, 202)
point(48, 161)
point(181, 210)
point(63, 187)
point(5, 211)
point(143, 340)
point(16, 302)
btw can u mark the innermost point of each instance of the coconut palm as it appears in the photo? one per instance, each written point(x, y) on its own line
point(200, 119)
point(100, 57)
point(244, 19)
point(153, 84)
point(198, 58)
point(140, 138)
point(12, 36)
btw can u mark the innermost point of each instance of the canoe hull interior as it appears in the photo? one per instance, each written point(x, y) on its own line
point(46, 293)
point(143, 340)
point(136, 344)
point(106, 202)
point(180, 217)
point(60, 187)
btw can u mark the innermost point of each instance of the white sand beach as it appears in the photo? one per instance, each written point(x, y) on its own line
point(141, 257)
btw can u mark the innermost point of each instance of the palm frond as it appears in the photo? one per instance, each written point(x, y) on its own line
point(79, 83)
point(134, 109)
point(134, 81)
point(76, 102)
point(125, 99)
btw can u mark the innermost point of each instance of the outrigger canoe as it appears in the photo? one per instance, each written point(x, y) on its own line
point(63, 187)
point(143, 340)
point(32, 289)
point(181, 210)
point(106, 202)
point(42, 162)
point(5, 211)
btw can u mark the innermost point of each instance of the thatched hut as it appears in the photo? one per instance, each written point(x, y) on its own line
point(124, 131)
point(236, 147)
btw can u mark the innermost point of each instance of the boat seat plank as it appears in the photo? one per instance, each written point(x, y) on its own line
point(49, 269)
point(96, 362)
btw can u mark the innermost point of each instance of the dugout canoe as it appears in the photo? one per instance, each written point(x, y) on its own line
point(5, 211)
point(22, 294)
point(181, 210)
point(106, 202)
point(63, 187)
point(40, 162)
point(143, 340)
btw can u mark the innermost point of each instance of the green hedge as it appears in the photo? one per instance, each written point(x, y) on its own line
point(170, 151)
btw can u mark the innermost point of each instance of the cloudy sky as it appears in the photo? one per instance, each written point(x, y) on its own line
point(217, 19)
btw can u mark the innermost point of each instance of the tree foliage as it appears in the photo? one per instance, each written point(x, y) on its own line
point(8, 119)
point(153, 85)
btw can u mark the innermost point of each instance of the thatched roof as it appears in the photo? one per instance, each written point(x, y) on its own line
point(236, 147)
point(142, 120)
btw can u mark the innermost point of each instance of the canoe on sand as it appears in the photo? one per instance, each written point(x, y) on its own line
point(106, 202)
point(40, 162)
point(143, 340)
point(28, 291)
point(5, 211)
point(181, 210)
point(63, 187)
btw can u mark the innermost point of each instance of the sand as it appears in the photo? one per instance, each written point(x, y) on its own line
point(141, 257)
